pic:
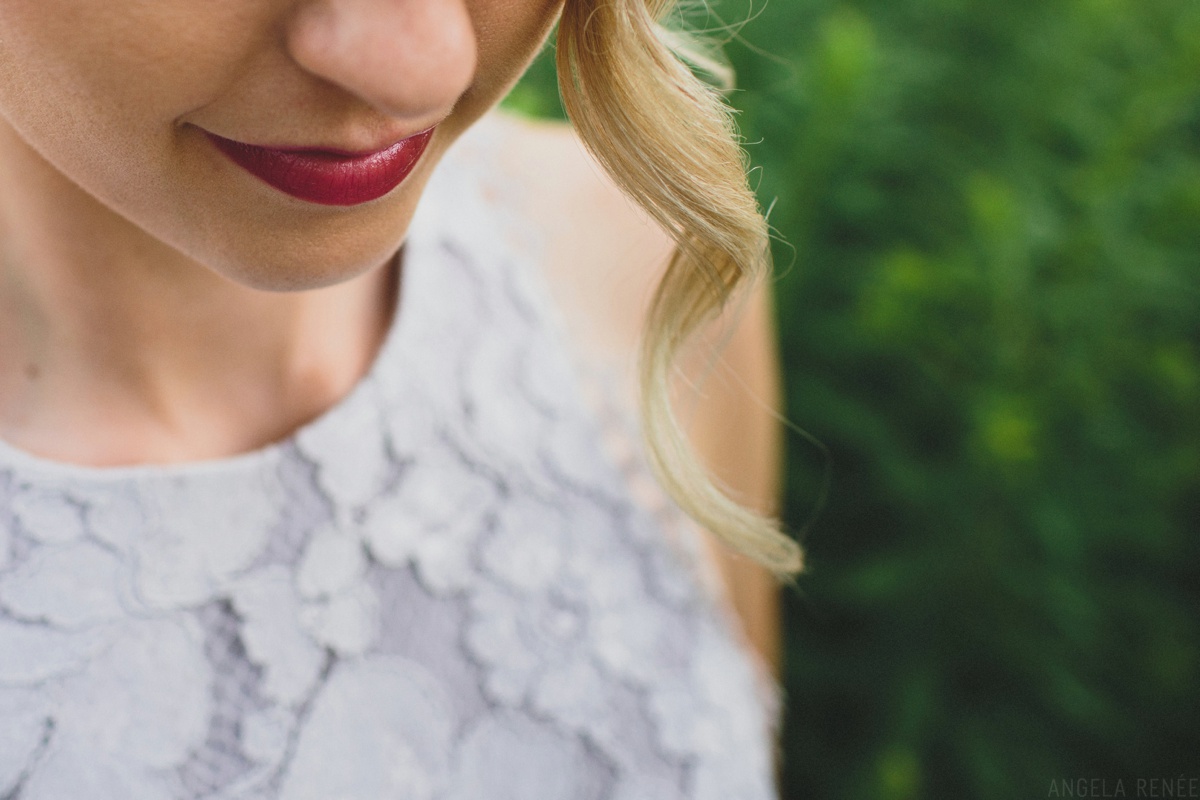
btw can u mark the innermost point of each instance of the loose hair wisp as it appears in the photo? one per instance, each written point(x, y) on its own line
point(668, 139)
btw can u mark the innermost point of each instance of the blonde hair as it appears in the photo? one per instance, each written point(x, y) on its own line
point(668, 139)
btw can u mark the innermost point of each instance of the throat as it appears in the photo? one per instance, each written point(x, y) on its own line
point(204, 388)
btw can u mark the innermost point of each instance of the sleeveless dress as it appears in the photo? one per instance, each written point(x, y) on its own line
point(446, 587)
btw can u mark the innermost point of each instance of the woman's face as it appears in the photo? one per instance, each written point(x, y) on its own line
point(117, 97)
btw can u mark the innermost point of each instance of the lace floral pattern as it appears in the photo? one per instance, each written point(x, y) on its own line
point(443, 588)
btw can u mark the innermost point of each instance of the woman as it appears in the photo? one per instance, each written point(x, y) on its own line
point(287, 512)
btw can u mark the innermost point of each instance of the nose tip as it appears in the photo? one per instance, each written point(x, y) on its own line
point(406, 58)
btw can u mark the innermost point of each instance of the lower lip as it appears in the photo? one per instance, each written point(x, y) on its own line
point(327, 177)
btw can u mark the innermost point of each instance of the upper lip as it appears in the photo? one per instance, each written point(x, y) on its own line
point(346, 150)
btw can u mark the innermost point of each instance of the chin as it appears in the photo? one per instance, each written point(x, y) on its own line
point(302, 266)
point(290, 254)
point(300, 278)
point(269, 242)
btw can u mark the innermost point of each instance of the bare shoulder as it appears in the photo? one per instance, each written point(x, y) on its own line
point(603, 255)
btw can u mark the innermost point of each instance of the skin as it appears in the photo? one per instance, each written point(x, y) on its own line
point(602, 268)
point(143, 274)
point(157, 304)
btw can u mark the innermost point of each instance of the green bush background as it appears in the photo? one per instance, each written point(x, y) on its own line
point(989, 313)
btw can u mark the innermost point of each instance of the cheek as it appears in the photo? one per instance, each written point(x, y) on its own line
point(155, 58)
point(95, 86)
point(510, 33)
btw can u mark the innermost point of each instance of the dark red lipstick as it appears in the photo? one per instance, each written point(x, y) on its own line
point(328, 177)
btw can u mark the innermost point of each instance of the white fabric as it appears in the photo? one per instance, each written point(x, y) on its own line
point(442, 588)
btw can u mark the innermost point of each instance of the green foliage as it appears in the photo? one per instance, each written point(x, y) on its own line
point(537, 93)
point(989, 312)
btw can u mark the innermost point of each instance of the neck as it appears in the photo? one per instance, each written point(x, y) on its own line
point(115, 348)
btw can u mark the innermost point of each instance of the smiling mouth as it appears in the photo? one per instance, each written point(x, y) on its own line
point(328, 177)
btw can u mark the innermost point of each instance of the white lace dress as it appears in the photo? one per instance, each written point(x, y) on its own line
point(444, 587)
